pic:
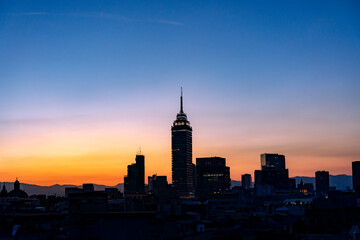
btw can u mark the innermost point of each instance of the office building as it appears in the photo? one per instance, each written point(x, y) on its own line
point(273, 174)
point(134, 182)
point(213, 176)
point(181, 144)
point(272, 161)
point(322, 181)
point(356, 175)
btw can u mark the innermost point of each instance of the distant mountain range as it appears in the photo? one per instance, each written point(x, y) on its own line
point(58, 190)
point(341, 182)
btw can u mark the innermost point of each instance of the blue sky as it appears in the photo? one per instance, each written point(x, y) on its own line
point(253, 68)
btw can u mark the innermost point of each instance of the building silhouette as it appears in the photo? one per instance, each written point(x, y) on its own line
point(134, 182)
point(273, 176)
point(246, 181)
point(158, 186)
point(3, 192)
point(271, 161)
point(356, 175)
point(213, 175)
point(181, 144)
point(322, 181)
point(88, 187)
point(17, 192)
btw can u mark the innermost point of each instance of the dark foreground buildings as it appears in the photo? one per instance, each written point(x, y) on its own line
point(181, 146)
point(213, 176)
point(134, 182)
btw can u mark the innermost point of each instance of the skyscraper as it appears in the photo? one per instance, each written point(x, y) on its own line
point(181, 144)
point(134, 182)
point(322, 181)
point(356, 175)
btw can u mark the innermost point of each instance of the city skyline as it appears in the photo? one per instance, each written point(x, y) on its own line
point(84, 85)
point(181, 113)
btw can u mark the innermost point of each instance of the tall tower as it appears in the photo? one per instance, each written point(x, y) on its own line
point(181, 143)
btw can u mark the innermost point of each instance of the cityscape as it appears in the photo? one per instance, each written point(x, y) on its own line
point(200, 203)
point(179, 120)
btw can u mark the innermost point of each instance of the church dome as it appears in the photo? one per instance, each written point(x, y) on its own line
point(17, 192)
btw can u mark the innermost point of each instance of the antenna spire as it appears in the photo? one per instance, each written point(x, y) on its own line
point(181, 102)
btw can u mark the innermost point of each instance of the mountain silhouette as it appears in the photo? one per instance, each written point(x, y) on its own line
point(58, 190)
point(341, 182)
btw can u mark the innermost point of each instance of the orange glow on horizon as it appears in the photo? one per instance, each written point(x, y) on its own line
point(100, 152)
point(109, 169)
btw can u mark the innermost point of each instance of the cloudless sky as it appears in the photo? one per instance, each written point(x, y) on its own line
point(83, 84)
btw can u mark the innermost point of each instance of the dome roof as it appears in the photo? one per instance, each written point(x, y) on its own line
point(17, 192)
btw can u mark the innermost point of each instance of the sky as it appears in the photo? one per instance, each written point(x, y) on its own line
point(84, 84)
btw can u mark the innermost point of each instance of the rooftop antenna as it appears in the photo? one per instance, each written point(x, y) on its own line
point(139, 151)
point(181, 102)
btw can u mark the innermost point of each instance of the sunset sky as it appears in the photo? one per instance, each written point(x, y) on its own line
point(84, 84)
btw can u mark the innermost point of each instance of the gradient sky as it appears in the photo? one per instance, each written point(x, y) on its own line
point(83, 84)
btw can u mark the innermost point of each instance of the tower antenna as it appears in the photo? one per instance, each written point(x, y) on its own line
point(181, 102)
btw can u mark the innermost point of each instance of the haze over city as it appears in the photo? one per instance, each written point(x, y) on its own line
point(83, 86)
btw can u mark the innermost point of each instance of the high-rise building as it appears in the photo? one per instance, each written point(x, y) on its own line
point(322, 181)
point(272, 161)
point(273, 174)
point(246, 181)
point(356, 175)
point(134, 182)
point(212, 175)
point(181, 144)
